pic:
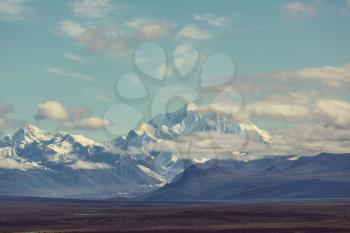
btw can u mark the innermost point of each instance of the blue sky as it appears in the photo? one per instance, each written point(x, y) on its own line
point(65, 56)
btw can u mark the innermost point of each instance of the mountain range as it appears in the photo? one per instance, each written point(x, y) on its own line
point(275, 178)
point(34, 162)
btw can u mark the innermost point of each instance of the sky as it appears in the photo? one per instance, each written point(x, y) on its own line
point(67, 65)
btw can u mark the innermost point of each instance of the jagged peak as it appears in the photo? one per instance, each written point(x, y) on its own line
point(30, 127)
point(84, 141)
point(145, 128)
point(30, 133)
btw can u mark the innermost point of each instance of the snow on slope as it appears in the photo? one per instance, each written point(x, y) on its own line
point(151, 173)
point(125, 157)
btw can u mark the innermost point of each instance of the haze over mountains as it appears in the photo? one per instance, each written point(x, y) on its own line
point(34, 162)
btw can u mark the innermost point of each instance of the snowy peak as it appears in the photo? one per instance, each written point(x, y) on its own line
point(30, 133)
point(33, 143)
point(145, 129)
point(186, 121)
point(71, 138)
point(32, 130)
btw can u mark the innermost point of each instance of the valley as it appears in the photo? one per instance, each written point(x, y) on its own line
point(59, 215)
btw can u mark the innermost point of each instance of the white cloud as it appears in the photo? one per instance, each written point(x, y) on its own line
point(68, 74)
point(153, 31)
point(309, 139)
point(229, 110)
point(193, 33)
point(313, 126)
point(14, 10)
point(286, 107)
point(7, 163)
point(335, 113)
point(51, 110)
point(278, 110)
point(297, 9)
point(147, 29)
point(106, 41)
point(213, 20)
point(137, 22)
point(323, 127)
point(90, 123)
point(348, 1)
point(80, 164)
point(91, 8)
point(330, 76)
point(210, 145)
point(71, 118)
point(68, 28)
point(74, 57)
point(313, 81)
point(97, 40)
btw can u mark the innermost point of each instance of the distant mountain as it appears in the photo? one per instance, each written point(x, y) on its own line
point(322, 176)
point(184, 122)
point(34, 162)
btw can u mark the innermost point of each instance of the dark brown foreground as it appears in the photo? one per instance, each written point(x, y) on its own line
point(50, 215)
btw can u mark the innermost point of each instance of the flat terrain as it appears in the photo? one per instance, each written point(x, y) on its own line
point(55, 215)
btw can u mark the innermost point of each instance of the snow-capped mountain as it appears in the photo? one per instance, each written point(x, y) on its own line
point(61, 164)
point(38, 145)
point(186, 121)
point(46, 163)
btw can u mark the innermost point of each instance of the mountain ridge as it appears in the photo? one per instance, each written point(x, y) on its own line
point(65, 165)
point(323, 176)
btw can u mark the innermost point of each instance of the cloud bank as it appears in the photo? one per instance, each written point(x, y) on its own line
point(70, 118)
point(15, 10)
point(80, 164)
